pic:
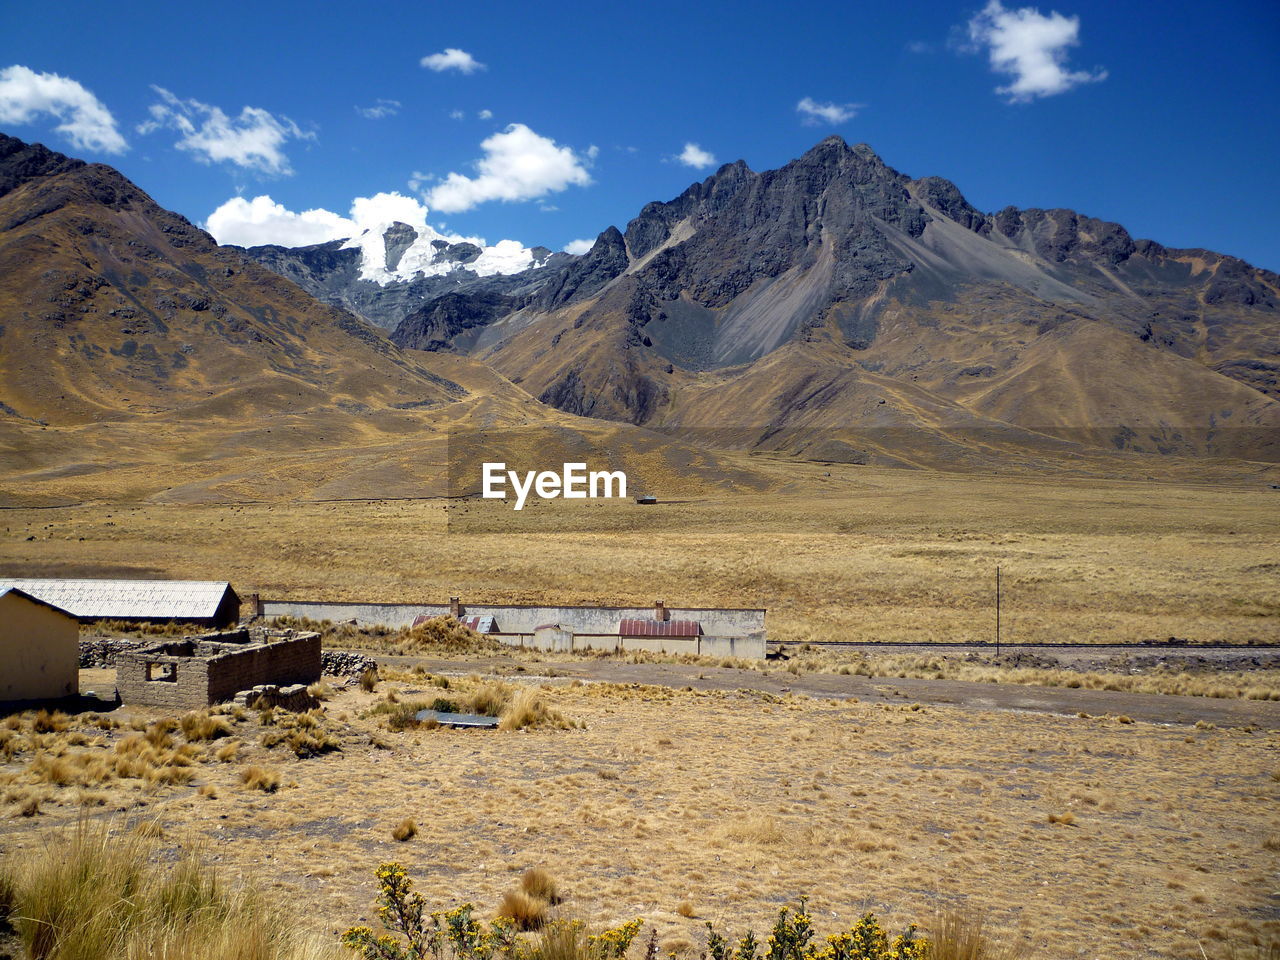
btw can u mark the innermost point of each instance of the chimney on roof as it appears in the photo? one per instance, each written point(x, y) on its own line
point(659, 610)
point(455, 607)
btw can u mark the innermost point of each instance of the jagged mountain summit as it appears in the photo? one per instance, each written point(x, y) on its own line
point(841, 301)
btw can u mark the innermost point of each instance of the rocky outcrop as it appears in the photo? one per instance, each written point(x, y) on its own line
point(332, 273)
point(606, 260)
point(21, 162)
point(438, 323)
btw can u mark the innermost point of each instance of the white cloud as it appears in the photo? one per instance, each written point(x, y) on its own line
point(254, 140)
point(485, 114)
point(919, 46)
point(518, 165)
point(451, 58)
point(86, 122)
point(814, 113)
point(456, 115)
point(694, 156)
point(250, 223)
point(1031, 48)
point(579, 246)
point(381, 108)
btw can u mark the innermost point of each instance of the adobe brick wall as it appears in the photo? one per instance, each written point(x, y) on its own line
point(214, 672)
point(283, 663)
point(189, 690)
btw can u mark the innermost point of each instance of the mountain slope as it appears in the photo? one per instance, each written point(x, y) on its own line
point(1145, 348)
point(113, 306)
point(140, 359)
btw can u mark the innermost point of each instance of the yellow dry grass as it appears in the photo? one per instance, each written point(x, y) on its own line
point(740, 801)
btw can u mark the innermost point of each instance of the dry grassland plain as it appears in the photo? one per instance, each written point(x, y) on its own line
point(863, 554)
point(1077, 837)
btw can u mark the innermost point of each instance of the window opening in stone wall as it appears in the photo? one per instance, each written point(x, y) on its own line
point(163, 672)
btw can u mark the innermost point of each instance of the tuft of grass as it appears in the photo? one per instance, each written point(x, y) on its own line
point(306, 734)
point(540, 885)
point(763, 830)
point(93, 895)
point(528, 709)
point(201, 726)
point(961, 935)
point(1066, 819)
point(491, 699)
point(369, 680)
point(406, 829)
point(227, 752)
point(685, 909)
point(46, 722)
point(402, 715)
point(265, 779)
point(526, 912)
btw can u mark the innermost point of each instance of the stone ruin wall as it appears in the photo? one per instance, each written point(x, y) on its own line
point(191, 674)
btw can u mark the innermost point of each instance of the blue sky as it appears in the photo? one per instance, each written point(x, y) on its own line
point(1158, 116)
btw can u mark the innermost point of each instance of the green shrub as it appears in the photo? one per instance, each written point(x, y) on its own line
point(792, 939)
point(457, 935)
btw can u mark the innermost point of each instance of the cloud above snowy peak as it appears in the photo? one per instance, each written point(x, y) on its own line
point(262, 220)
point(85, 121)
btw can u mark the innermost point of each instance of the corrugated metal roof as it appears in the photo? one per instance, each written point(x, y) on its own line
point(659, 628)
point(128, 599)
point(479, 624)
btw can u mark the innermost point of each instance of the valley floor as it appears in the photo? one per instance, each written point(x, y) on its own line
point(861, 554)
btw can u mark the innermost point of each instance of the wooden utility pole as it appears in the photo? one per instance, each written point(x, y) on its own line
point(997, 611)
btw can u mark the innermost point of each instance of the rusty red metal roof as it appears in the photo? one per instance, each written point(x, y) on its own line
point(659, 628)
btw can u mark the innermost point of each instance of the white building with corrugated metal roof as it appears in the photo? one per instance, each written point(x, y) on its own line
point(205, 602)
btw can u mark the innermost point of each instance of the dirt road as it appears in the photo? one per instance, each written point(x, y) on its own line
point(1156, 708)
